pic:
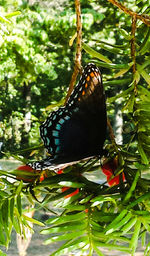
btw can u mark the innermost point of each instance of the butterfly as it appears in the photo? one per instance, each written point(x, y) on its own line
point(78, 130)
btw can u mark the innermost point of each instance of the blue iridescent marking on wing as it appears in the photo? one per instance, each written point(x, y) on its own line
point(56, 142)
point(67, 117)
point(58, 126)
point(45, 131)
point(61, 121)
point(55, 133)
point(47, 140)
point(49, 124)
point(76, 110)
point(57, 150)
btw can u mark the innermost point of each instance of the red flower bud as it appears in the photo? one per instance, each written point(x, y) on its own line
point(25, 177)
point(63, 189)
point(109, 169)
point(71, 194)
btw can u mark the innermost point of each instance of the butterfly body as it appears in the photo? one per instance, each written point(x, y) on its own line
point(77, 130)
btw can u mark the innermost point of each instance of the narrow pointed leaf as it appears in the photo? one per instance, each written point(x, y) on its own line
point(65, 228)
point(135, 237)
point(67, 218)
point(112, 246)
point(95, 54)
point(11, 205)
point(119, 224)
point(116, 220)
point(70, 246)
point(128, 225)
point(34, 221)
point(19, 204)
point(99, 253)
point(63, 237)
point(132, 188)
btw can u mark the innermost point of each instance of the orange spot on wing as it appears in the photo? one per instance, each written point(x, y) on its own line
point(92, 74)
point(88, 78)
point(83, 93)
point(86, 85)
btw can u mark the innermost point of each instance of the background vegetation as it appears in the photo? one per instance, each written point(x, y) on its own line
point(35, 70)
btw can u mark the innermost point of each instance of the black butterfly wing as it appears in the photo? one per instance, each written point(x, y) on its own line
point(78, 130)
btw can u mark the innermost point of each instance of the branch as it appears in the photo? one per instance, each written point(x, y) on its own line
point(133, 49)
point(144, 18)
point(77, 65)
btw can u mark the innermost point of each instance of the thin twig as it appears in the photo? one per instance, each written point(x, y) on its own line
point(133, 49)
point(77, 65)
point(144, 18)
point(111, 134)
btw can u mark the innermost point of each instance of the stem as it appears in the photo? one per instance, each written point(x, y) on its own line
point(133, 50)
point(111, 134)
point(77, 65)
point(144, 18)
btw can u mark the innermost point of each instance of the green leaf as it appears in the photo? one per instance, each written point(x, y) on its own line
point(75, 207)
point(12, 14)
point(144, 47)
point(112, 246)
point(3, 193)
point(142, 153)
point(4, 20)
point(2, 253)
point(5, 211)
point(103, 216)
point(145, 76)
point(143, 92)
point(132, 188)
point(130, 104)
point(135, 237)
point(128, 225)
point(111, 48)
point(136, 77)
point(18, 190)
point(116, 220)
point(11, 205)
point(67, 227)
point(16, 224)
point(19, 207)
point(147, 250)
point(144, 197)
point(71, 246)
point(69, 200)
point(95, 54)
point(71, 184)
point(86, 199)
point(66, 218)
point(125, 34)
point(100, 199)
point(99, 253)
point(112, 65)
point(2, 236)
point(119, 224)
point(66, 236)
point(125, 46)
point(123, 94)
point(117, 82)
point(143, 239)
point(121, 72)
point(33, 220)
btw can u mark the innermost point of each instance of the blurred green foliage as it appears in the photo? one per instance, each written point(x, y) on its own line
point(36, 62)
